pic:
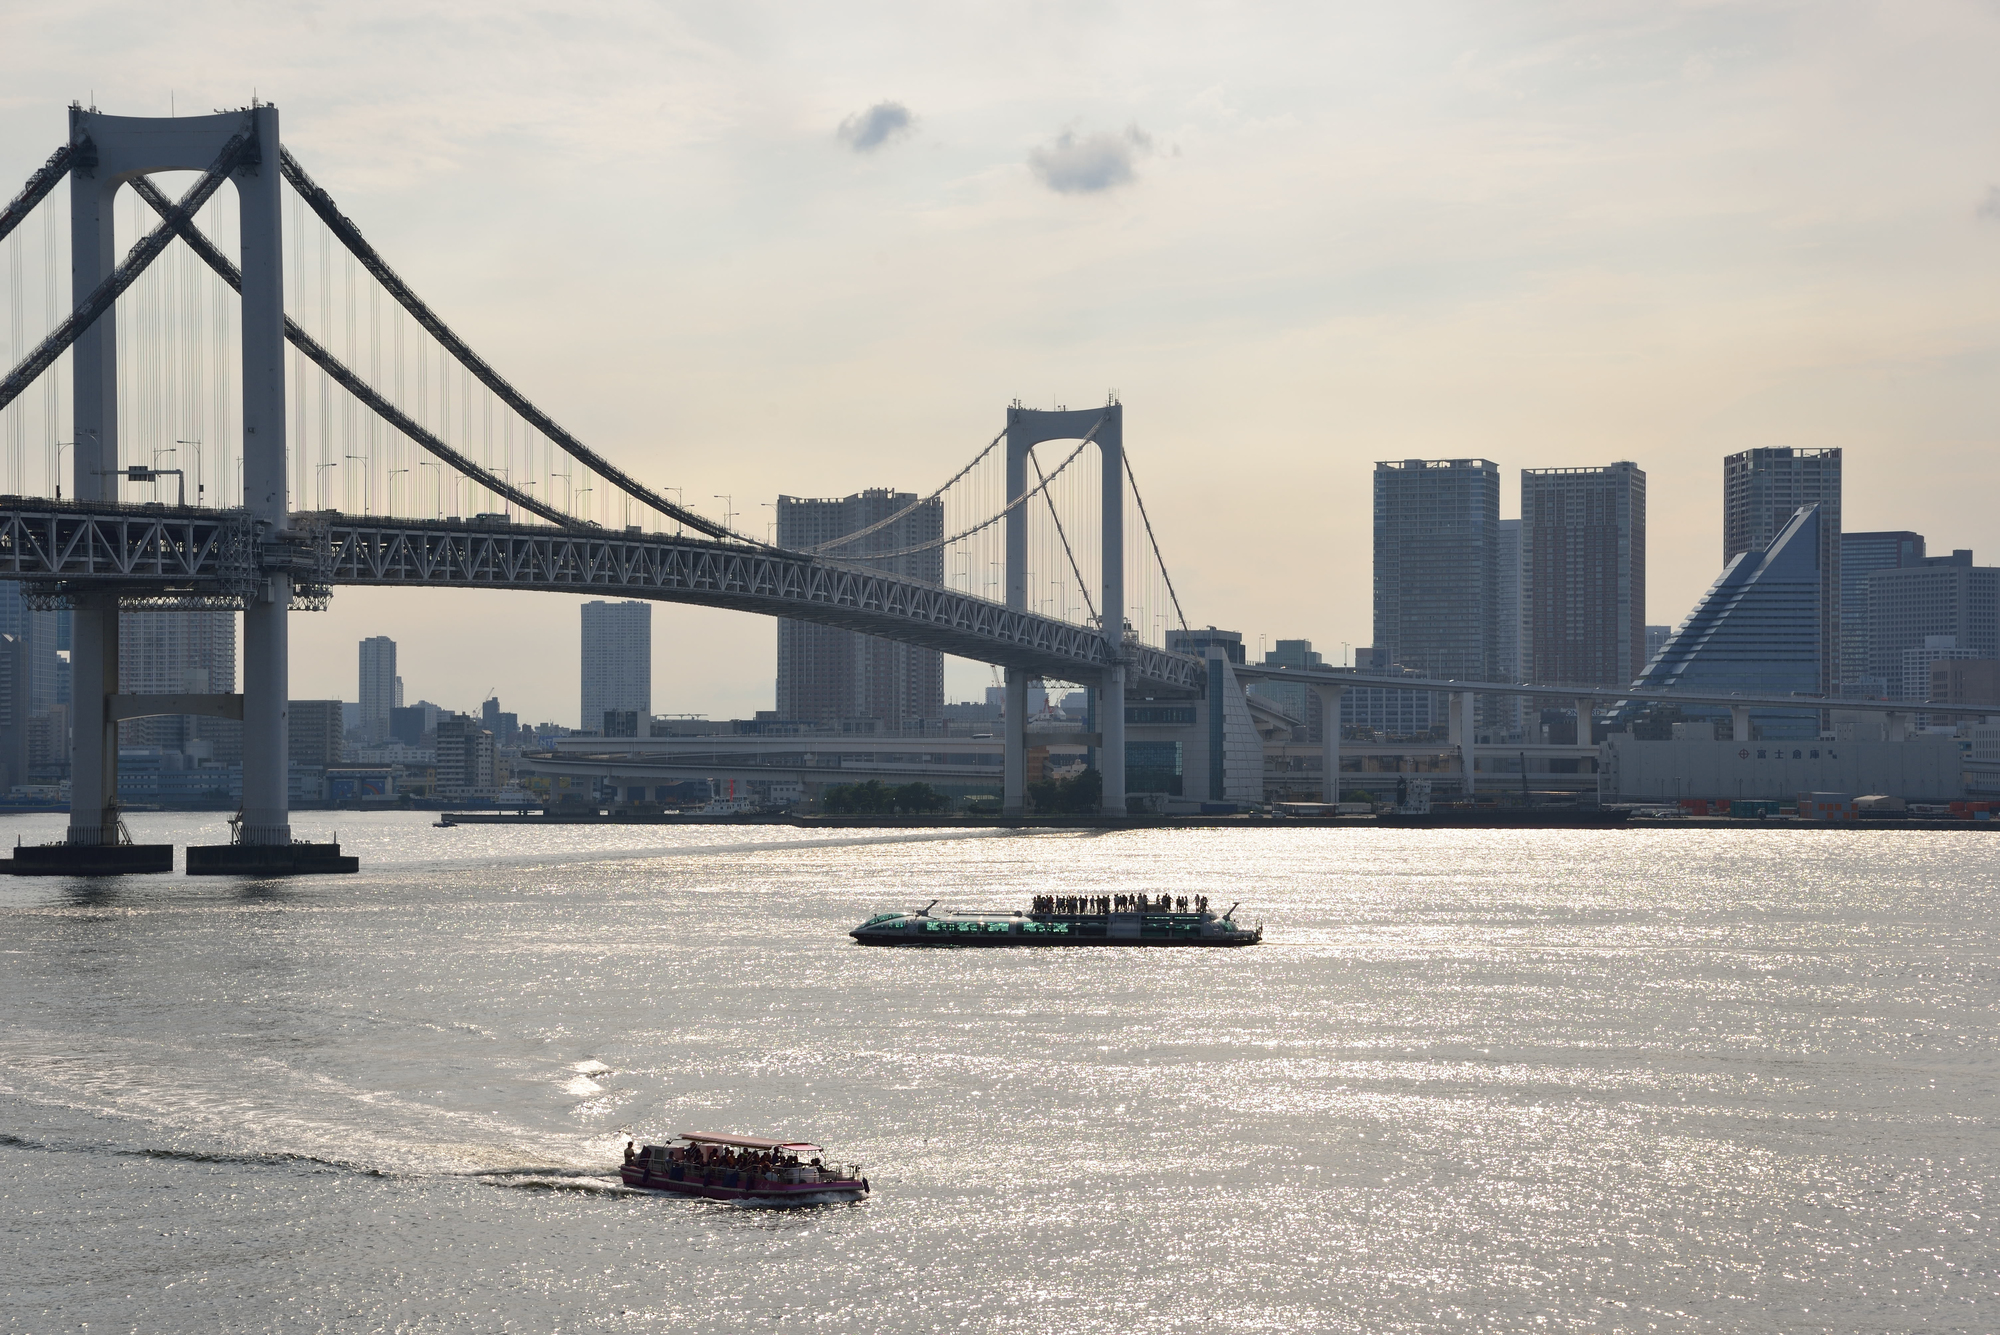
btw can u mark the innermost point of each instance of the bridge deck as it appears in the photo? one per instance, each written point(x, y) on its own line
point(152, 552)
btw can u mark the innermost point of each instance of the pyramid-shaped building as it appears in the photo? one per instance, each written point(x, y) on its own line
point(1755, 632)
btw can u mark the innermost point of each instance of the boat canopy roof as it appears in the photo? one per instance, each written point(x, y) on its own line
point(746, 1142)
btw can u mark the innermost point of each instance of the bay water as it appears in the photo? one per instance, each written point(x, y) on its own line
point(1661, 1080)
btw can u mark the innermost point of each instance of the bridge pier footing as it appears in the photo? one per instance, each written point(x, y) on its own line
point(268, 860)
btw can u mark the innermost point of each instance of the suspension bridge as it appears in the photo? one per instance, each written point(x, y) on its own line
point(186, 338)
point(333, 430)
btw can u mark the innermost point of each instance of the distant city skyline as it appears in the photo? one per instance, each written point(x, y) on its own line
point(1342, 234)
point(1511, 646)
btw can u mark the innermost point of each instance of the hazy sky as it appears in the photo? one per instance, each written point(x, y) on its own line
point(754, 248)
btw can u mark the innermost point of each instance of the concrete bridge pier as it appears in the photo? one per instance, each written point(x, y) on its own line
point(1014, 756)
point(1329, 741)
point(1465, 734)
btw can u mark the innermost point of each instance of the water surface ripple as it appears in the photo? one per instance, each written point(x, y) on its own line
point(1677, 1080)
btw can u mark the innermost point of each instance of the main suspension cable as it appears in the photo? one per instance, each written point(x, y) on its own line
point(350, 236)
point(912, 506)
point(144, 253)
point(1158, 560)
point(1012, 505)
point(36, 189)
point(1061, 533)
point(346, 378)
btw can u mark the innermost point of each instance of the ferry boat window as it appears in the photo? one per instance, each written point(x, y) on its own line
point(998, 926)
point(935, 926)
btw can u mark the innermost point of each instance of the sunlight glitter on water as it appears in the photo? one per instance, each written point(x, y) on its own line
point(1674, 1080)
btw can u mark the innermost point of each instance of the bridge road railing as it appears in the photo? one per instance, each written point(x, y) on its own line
point(221, 556)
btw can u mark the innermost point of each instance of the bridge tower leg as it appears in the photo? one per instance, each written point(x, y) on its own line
point(266, 638)
point(1015, 757)
point(1111, 563)
point(93, 808)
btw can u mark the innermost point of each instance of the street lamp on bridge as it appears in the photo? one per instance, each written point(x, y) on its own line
point(200, 487)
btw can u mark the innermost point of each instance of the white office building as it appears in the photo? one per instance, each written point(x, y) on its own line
point(381, 688)
point(617, 661)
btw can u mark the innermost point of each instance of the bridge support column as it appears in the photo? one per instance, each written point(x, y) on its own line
point(1584, 736)
point(1111, 756)
point(1111, 608)
point(1463, 701)
point(1329, 741)
point(1899, 725)
point(266, 657)
point(93, 776)
point(1014, 773)
point(1739, 723)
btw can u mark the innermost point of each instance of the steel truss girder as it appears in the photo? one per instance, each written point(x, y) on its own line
point(158, 552)
point(148, 552)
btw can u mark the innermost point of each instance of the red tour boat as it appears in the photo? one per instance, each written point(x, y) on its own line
point(740, 1168)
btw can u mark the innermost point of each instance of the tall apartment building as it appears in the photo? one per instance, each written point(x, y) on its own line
point(175, 653)
point(1944, 596)
point(1510, 661)
point(1861, 554)
point(617, 661)
point(465, 757)
point(1437, 568)
point(827, 674)
point(14, 686)
point(42, 635)
point(1583, 574)
point(313, 735)
point(380, 689)
point(1761, 490)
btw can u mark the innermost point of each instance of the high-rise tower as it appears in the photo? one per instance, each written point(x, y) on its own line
point(1761, 490)
point(1437, 566)
point(1861, 554)
point(825, 673)
point(1583, 574)
point(179, 653)
point(617, 662)
point(378, 687)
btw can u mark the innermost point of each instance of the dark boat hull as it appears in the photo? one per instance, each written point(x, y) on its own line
point(732, 1185)
point(964, 929)
point(877, 939)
